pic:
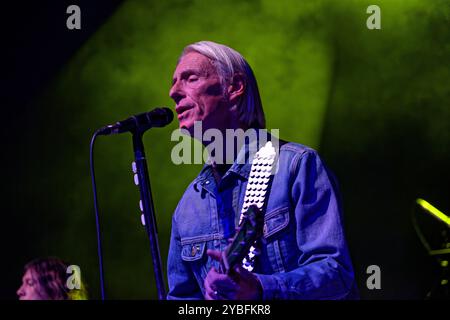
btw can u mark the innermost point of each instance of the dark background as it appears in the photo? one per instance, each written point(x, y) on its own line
point(375, 103)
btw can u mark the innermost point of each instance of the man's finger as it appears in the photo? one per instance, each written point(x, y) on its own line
point(215, 254)
point(208, 296)
point(213, 295)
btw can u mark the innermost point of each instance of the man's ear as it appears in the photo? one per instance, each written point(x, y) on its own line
point(236, 88)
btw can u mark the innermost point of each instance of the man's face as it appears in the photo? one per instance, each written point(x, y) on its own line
point(198, 94)
point(30, 289)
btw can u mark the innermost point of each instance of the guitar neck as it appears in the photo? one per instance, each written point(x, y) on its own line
point(250, 229)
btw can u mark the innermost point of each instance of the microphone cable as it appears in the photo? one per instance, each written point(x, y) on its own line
point(97, 219)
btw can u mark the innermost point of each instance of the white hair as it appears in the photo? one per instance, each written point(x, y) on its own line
point(229, 62)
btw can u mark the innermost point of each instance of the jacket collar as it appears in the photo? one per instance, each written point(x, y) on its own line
point(243, 162)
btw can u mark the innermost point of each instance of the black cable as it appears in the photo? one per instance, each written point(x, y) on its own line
point(97, 220)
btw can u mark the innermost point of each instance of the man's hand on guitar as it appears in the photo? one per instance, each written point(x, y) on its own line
point(239, 284)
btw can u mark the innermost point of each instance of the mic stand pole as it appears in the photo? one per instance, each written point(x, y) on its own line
point(146, 205)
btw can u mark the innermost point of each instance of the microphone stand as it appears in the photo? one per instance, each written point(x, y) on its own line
point(143, 181)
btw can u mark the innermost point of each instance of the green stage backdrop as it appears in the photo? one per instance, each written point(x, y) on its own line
point(375, 103)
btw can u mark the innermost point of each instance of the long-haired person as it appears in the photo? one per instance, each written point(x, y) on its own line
point(46, 279)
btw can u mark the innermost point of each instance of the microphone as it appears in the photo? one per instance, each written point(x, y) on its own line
point(158, 117)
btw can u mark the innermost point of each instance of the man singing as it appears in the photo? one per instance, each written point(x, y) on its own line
point(302, 252)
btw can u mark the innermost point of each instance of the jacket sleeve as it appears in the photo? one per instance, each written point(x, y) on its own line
point(324, 267)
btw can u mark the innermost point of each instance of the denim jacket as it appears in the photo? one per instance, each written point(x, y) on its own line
point(303, 249)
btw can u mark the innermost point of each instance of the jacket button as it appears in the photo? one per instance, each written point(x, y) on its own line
point(265, 229)
point(193, 251)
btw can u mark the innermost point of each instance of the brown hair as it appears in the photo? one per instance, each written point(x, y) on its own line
point(51, 275)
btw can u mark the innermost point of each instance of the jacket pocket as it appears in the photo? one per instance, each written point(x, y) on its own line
point(275, 221)
point(192, 250)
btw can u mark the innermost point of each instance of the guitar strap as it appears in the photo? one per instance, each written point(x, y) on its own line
point(260, 178)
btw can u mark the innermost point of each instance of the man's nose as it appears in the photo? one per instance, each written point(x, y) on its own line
point(20, 291)
point(176, 92)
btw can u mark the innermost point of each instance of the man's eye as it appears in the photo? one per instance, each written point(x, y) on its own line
point(192, 78)
point(30, 283)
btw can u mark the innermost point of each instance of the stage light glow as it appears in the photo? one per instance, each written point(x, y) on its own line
point(434, 211)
